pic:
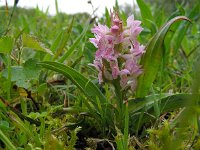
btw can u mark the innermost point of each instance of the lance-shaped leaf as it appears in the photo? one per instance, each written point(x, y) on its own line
point(152, 59)
point(166, 102)
point(83, 83)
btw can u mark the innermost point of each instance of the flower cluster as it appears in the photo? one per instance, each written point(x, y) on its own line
point(118, 51)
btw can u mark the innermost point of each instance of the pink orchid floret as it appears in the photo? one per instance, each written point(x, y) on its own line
point(118, 52)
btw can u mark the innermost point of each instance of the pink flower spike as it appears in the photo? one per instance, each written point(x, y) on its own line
point(138, 51)
point(138, 30)
point(124, 72)
point(116, 21)
point(100, 77)
point(118, 51)
point(123, 81)
point(100, 30)
point(115, 69)
point(114, 29)
point(131, 22)
point(94, 41)
point(133, 84)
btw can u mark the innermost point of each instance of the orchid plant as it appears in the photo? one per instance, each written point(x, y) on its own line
point(123, 62)
point(129, 67)
point(138, 100)
point(117, 57)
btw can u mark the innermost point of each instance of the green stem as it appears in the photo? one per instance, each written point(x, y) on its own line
point(126, 125)
point(23, 106)
point(9, 77)
point(123, 113)
point(6, 141)
point(120, 104)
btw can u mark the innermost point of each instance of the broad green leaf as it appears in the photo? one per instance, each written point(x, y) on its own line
point(31, 70)
point(18, 76)
point(74, 45)
point(152, 59)
point(22, 75)
point(32, 42)
point(16, 73)
point(83, 83)
point(6, 44)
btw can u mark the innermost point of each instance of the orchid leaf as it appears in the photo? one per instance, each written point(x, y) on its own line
point(152, 59)
point(83, 83)
point(167, 103)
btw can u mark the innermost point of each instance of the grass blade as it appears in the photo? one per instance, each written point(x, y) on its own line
point(6, 141)
point(56, 4)
point(145, 13)
point(60, 42)
point(71, 49)
point(24, 128)
point(107, 15)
